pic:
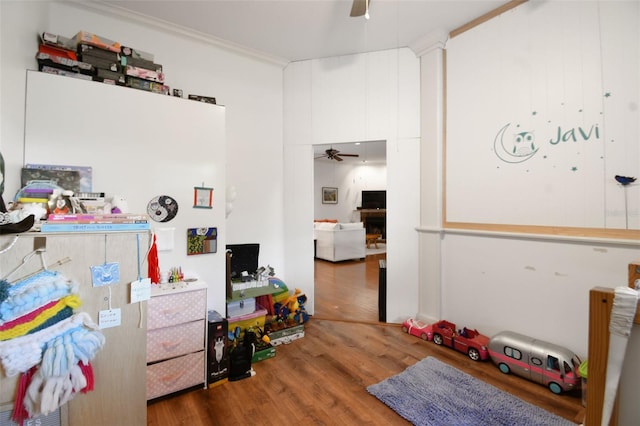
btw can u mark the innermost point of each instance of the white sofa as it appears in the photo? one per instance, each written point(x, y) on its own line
point(339, 241)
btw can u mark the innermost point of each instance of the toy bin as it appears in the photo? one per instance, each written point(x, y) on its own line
point(256, 318)
point(241, 307)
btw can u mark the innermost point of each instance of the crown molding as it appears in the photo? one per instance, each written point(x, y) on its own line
point(429, 42)
point(169, 27)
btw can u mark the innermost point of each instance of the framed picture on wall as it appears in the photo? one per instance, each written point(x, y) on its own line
point(202, 197)
point(329, 195)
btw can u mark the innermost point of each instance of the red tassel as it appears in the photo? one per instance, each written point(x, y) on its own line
point(152, 261)
point(87, 370)
point(19, 412)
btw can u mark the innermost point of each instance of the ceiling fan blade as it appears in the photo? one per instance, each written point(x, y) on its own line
point(359, 7)
point(350, 155)
point(337, 158)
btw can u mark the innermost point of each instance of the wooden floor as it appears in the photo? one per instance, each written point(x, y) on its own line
point(321, 379)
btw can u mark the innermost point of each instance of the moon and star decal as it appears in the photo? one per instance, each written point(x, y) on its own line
point(520, 148)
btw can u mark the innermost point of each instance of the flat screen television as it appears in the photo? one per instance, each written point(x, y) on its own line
point(374, 199)
point(244, 258)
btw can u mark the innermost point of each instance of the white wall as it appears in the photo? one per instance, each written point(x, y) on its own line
point(574, 71)
point(350, 179)
point(533, 284)
point(373, 96)
point(193, 64)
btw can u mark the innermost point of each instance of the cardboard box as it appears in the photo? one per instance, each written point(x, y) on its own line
point(218, 383)
point(218, 351)
point(149, 86)
point(144, 74)
point(263, 352)
point(58, 41)
point(286, 335)
point(97, 52)
point(140, 63)
point(116, 77)
point(86, 37)
point(284, 332)
point(205, 99)
point(130, 52)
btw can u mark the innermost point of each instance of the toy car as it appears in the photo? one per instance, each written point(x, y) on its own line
point(466, 340)
point(417, 328)
point(551, 365)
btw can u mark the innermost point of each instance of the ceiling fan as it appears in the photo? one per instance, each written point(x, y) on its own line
point(334, 154)
point(360, 7)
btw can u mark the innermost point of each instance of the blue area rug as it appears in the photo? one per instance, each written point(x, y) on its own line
point(432, 393)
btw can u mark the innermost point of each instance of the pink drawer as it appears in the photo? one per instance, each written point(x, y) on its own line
point(172, 309)
point(170, 342)
point(175, 374)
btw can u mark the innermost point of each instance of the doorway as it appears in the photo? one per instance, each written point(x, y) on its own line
point(348, 290)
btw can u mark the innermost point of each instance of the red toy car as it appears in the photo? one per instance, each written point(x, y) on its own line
point(443, 332)
point(417, 328)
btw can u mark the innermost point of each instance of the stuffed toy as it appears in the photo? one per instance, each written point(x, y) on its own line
point(119, 204)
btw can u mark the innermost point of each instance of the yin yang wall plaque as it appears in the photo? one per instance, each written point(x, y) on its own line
point(162, 208)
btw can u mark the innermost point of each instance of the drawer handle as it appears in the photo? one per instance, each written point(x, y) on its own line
point(172, 378)
point(168, 346)
point(170, 313)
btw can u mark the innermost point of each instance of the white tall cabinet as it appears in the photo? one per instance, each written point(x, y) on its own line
point(140, 145)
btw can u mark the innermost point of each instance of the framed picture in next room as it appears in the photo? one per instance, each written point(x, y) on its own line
point(329, 195)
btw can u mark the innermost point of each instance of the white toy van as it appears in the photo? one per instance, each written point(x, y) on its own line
point(542, 362)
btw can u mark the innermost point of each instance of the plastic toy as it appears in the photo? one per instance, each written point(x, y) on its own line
point(417, 328)
point(119, 204)
point(546, 363)
point(466, 340)
point(301, 316)
point(292, 308)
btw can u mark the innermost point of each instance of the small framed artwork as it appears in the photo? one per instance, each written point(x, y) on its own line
point(329, 195)
point(202, 197)
point(202, 240)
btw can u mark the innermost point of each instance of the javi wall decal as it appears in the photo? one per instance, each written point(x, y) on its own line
point(518, 145)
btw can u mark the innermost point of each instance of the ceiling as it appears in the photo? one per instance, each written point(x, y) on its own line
point(284, 31)
point(295, 30)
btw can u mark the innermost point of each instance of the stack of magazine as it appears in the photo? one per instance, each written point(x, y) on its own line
point(95, 222)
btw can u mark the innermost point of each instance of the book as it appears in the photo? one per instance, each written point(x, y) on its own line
point(93, 227)
point(32, 200)
point(91, 221)
point(89, 218)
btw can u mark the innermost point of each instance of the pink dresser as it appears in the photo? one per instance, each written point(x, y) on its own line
point(176, 338)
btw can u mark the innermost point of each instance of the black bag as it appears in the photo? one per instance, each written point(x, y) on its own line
point(240, 358)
